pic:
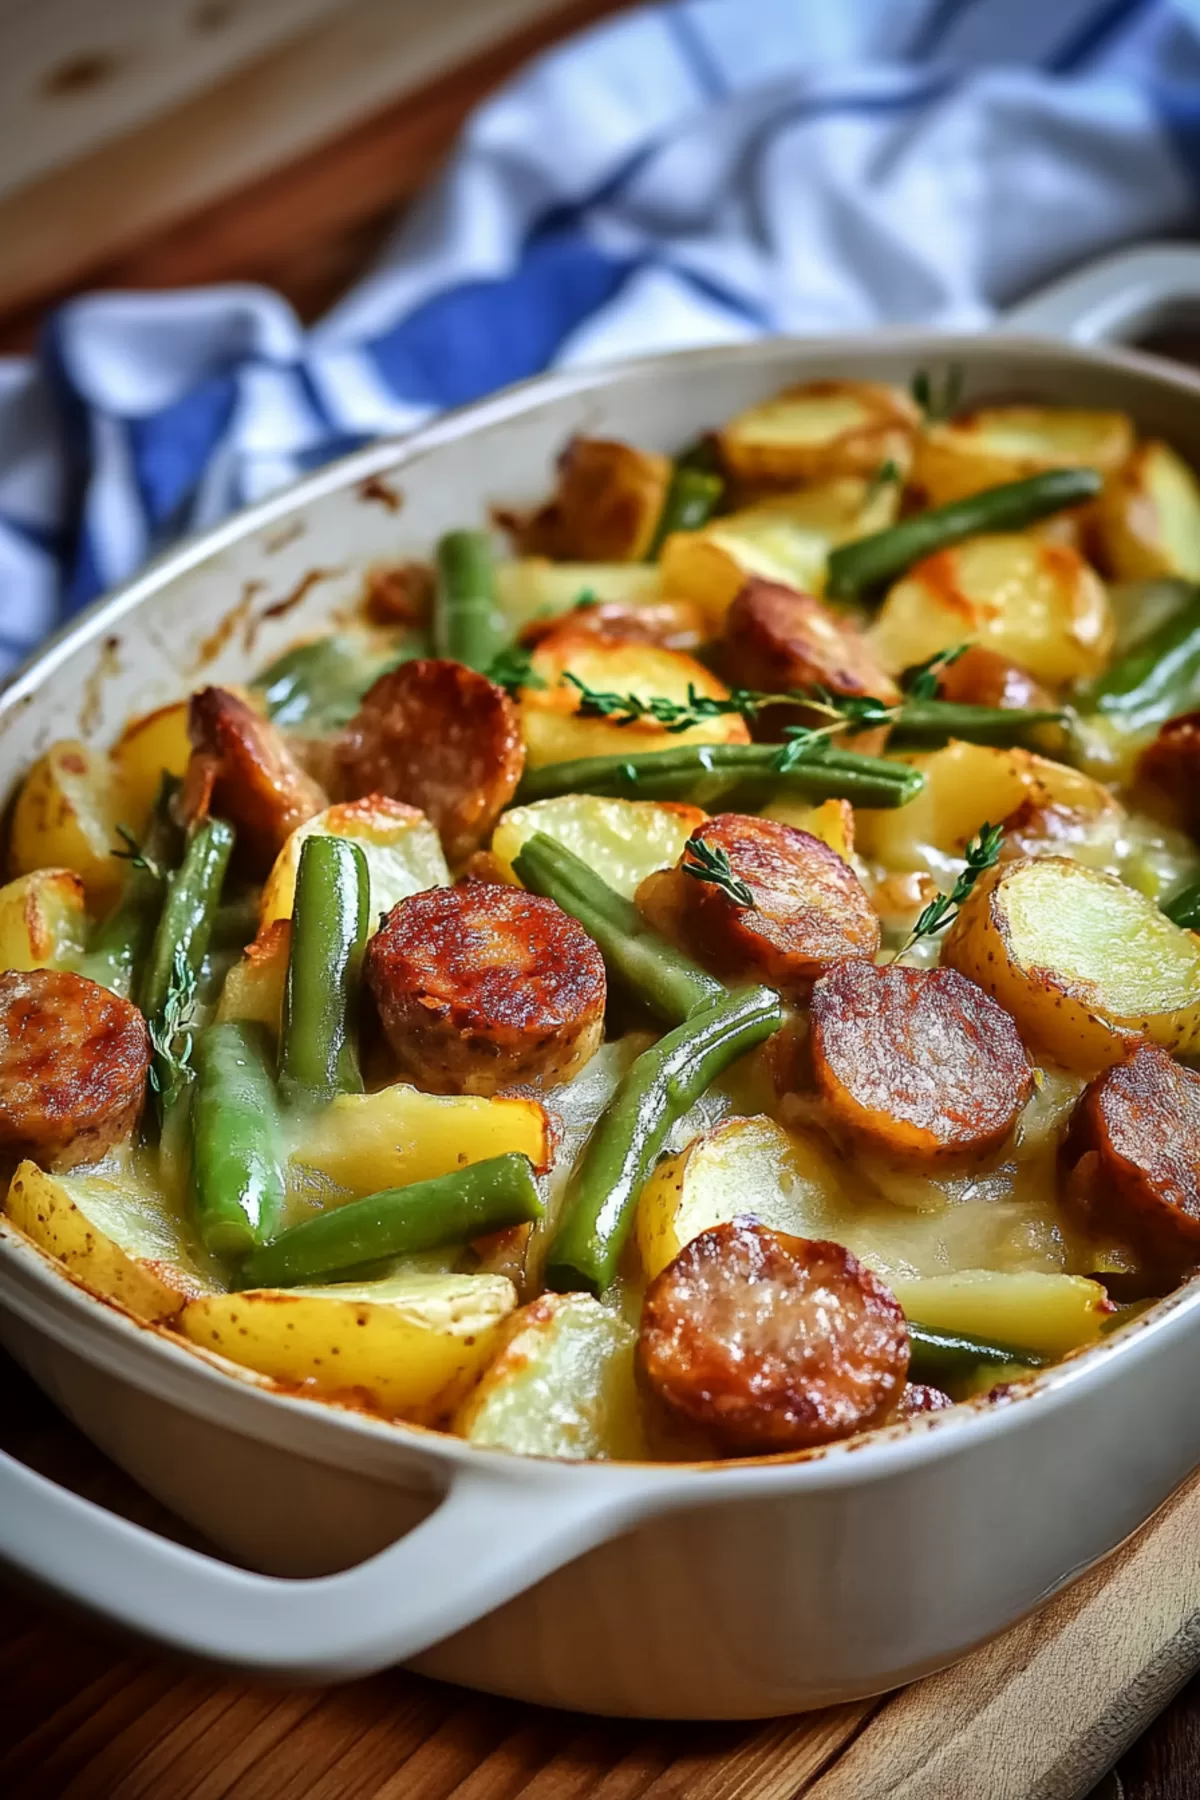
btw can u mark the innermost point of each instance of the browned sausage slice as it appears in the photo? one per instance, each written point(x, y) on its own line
point(605, 508)
point(810, 909)
point(242, 770)
point(1169, 769)
point(672, 624)
point(1134, 1150)
point(773, 1342)
point(443, 738)
point(73, 1062)
point(920, 1062)
point(482, 987)
point(778, 638)
point(982, 677)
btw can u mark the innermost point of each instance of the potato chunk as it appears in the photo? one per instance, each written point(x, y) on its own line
point(532, 589)
point(408, 1346)
point(671, 624)
point(622, 841)
point(919, 1062)
point(982, 677)
point(65, 818)
point(402, 849)
point(120, 1240)
point(818, 431)
point(786, 539)
point(1148, 517)
point(150, 747)
point(366, 1142)
point(561, 1385)
point(1084, 964)
point(995, 444)
point(606, 506)
point(253, 988)
point(1036, 603)
point(43, 920)
point(557, 730)
point(1047, 1315)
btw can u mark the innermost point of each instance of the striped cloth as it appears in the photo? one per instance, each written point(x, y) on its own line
point(688, 173)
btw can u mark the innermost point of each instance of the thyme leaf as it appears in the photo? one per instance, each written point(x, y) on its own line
point(709, 862)
point(136, 855)
point(512, 668)
point(983, 853)
point(171, 1035)
point(921, 682)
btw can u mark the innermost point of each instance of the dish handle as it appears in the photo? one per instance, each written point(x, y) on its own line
point(1111, 301)
point(493, 1534)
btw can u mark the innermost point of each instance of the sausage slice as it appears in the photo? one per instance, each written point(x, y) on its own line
point(777, 637)
point(982, 677)
point(73, 1062)
point(810, 909)
point(919, 1062)
point(1169, 769)
point(445, 739)
point(1134, 1152)
point(773, 1342)
point(482, 987)
point(242, 770)
point(671, 624)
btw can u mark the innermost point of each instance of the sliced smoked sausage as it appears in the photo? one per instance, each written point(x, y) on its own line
point(1133, 1152)
point(809, 908)
point(482, 987)
point(920, 1062)
point(443, 738)
point(773, 1342)
point(241, 769)
point(73, 1062)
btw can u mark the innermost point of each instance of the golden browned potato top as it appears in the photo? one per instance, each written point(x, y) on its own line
point(671, 624)
point(1134, 1152)
point(481, 986)
point(241, 769)
point(73, 1062)
point(921, 1062)
point(773, 1342)
point(777, 638)
point(810, 909)
point(443, 738)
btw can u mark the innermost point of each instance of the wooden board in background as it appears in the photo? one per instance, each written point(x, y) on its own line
point(1038, 1715)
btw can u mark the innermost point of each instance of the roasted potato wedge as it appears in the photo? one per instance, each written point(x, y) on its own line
point(532, 587)
point(995, 444)
point(606, 506)
point(744, 1167)
point(819, 431)
point(550, 721)
point(1036, 603)
point(120, 1239)
point(1045, 1314)
point(403, 852)
point(1085, 965)
point(562, 1384)
point(786, 539)
point(365, 1142)
point(408, 1346)
point(43, 920)
point(1147, 519)
point(65, 818)
point(623, 841)
point(253, 988)
point(155, 745)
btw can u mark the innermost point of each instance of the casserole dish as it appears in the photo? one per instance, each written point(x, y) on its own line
point(673, 1591)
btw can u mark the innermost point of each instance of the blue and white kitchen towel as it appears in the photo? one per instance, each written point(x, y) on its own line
point(688, 173)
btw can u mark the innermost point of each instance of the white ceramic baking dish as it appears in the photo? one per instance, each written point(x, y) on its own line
point(708, 1592)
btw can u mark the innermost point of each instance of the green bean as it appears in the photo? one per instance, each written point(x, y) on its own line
point(237, 1187)
point(235, 924)
point(692, 498)
point(934, 721)
point(318, 1054)
point(662, 1084)
point(122, 941)
point(1183, 906)
point(869, 562)
point(320, 685)
point(1155, 680)
point(636, 955)
point(945, 1358)
point(468, 625)
point(449, 1209)
point(713, 775)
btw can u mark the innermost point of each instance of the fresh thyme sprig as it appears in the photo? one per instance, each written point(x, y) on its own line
point(709, 862)
point(136, 854)
point(938, 395)
point(512, 668)
point(585, 597)
point(921, 682)
point(886, 475)
point(860, 711)
point(171, 1034)
point(983, 853)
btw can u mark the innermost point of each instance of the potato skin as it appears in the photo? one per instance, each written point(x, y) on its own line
point(1168, 770)
point(1133, 1150)
point(605, 508)
point(73, 1062)
point(671, 624)
point(982, 677)
point(482, 987)
point(772, 1342)
point(994, 444)
point(242, 770)
point(810, 908)
point(920, 1062)
point(441, 737)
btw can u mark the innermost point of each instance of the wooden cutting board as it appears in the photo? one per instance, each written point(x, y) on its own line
point(1037, 1715)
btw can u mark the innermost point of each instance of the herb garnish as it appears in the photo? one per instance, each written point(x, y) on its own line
point(983, 853)
point(886, 475)
point(171, 1029)
point(921, 682)
point(136, 854)
point(512, 668)
point(709, 862)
